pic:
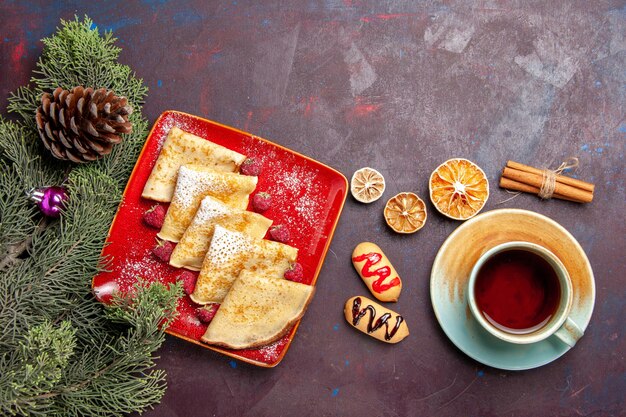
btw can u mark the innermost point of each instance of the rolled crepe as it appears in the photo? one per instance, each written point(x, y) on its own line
point(193, 184)
point(257, 311)
point(232, 252)
point(182, 148)
point(194, 244)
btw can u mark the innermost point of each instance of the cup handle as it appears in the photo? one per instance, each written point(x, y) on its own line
point(569, 333)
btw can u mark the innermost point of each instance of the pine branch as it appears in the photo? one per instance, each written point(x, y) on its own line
point(42, 356)
point(13, 252)
point(41, 383)
point(62, 352)
point(24, 102)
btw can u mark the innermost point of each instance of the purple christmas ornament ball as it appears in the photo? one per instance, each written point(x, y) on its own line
point(50, 200)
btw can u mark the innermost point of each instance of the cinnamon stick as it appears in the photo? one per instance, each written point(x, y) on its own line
point(536, 180)
point(513, 185)
point(559, 178)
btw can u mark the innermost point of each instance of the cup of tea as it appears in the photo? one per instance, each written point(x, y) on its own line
point(521, 293)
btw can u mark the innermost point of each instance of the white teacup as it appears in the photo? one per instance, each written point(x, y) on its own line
point(558, 324)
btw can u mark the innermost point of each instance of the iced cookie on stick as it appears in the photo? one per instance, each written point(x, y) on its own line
point(375, 320)
point(377, 272)
point(182, 148)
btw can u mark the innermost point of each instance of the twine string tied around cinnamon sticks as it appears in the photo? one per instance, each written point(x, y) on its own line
point(548, 180)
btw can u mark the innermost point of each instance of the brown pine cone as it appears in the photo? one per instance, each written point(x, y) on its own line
point(82, 125)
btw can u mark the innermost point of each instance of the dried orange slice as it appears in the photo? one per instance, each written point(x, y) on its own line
point(367, 185)
point(458, 188)
point(405, 213)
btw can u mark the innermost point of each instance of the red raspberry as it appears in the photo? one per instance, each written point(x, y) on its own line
point(261, 202)
point(280, 233)
point(188, 279)
point(155, 216)
point(251, 166)
point(205, 314)
point(163, 250)
point(295, 273)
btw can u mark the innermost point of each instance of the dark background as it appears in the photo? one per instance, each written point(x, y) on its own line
point(400, 86)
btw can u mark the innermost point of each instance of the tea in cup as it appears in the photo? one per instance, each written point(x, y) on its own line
point(522, 293)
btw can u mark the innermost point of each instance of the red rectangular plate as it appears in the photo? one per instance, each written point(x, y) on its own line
point(307, 196)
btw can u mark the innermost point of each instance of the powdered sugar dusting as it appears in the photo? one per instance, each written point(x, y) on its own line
point(210, 209)
point(271, 352)
point(193, 320)
point(227, 245)
point(191, 184)
point(146, 267)
point(298, 188)
point(170, 122)
point(307, 209)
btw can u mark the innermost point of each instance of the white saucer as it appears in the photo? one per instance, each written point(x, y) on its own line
point(451, 270)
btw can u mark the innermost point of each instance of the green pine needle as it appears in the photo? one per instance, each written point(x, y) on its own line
point(61, 352)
